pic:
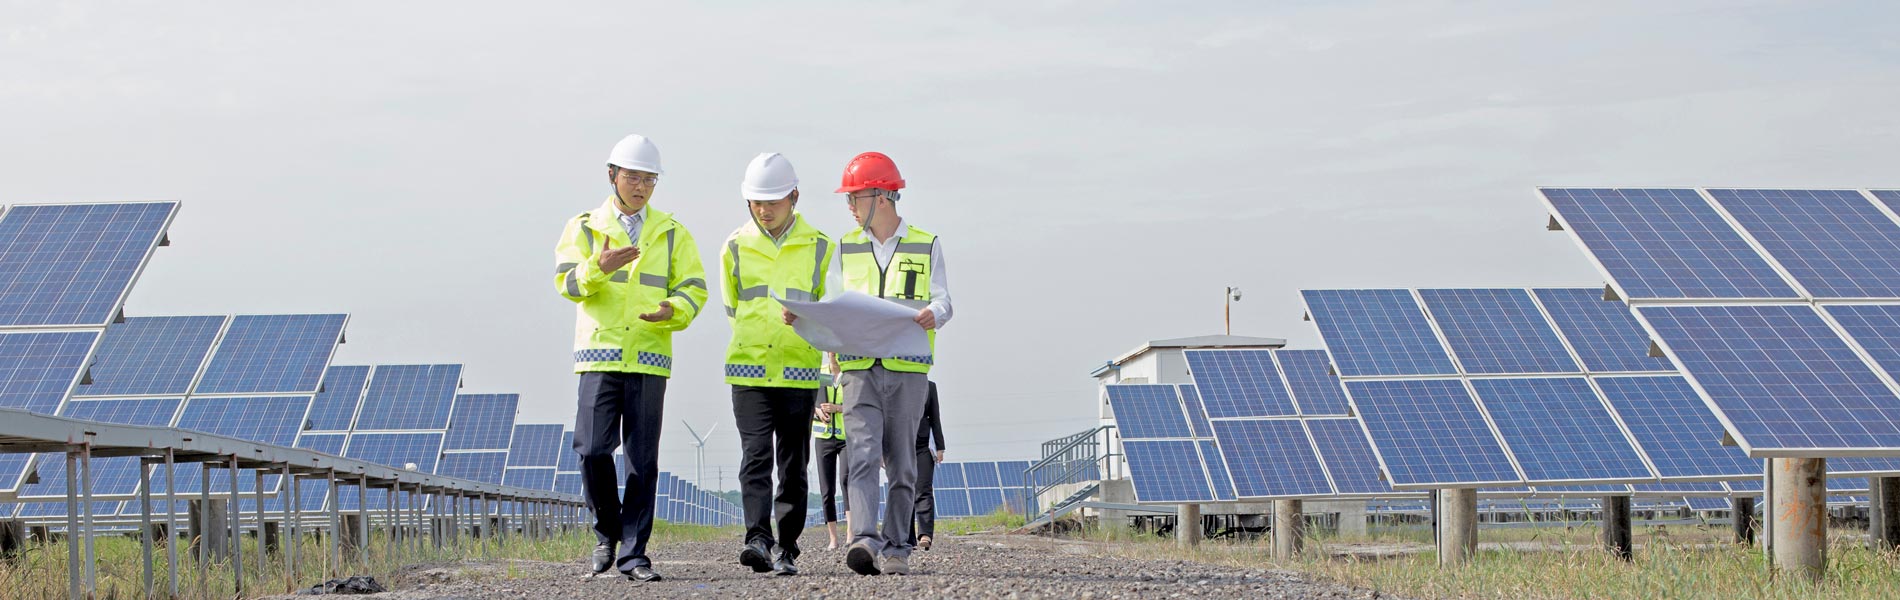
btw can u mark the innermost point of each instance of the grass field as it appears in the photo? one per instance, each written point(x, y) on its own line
point(39, 570)
point(1553, 563)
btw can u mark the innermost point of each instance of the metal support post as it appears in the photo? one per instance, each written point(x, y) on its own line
point(145, 525)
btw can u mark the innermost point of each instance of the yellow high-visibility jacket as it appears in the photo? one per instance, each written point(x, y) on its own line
point(608, 333)
point(764, 351)
point(905, 281)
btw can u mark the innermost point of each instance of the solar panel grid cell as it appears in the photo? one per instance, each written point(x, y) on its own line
point(1164, 471)
point(1377, 332)
point(335, 407)
point(1835, 243)
point(147, 356)
point(1496, 331)
point(570, 461)
point(1558, 430)
point(1792, 386)
point(38, 369)
point(536, 445)
point(1315, 388)
point(1217, 472)
point(1430, 432)
point(404, 397)
point(1148, 412)
point(1604, 333)
point(1239, 383)
point(1676, 430)
point(1666, 244)
point(272, 354)
point(1270, 459)
point(1348, 456)
point(51, 277)
point(1197, 414)
point(482, 422)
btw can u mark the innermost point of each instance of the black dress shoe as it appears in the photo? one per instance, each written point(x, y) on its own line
point(603, 558)
point(643, 573)
point(783, 566)
point(758, 556)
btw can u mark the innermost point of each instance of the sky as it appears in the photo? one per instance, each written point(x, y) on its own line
point(1099, 172)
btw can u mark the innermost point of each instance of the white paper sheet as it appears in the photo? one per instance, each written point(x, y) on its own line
point(859, 324)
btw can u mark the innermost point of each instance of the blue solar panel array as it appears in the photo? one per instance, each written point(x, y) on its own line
point(535, 445)
point(335, 407)
point(1558, 430)
point(1166, 471)
point(1315, 388)
point(404, 397)
point(1148, 411)
point(52, 277)
point(1271, 459)
point(1350, 461)
point(273, 354)
point(117, 476)
point(1497, 331)
point(149, 356)
point(1239, 383)
point(1430, 432)
point(1794, 386)
point(1835, 243)
point(1665, 243)
point(969, 489)
point(482, 422)
point(1676, 430)
point(38, 369)
point(1603, 333)
point(1377, 333)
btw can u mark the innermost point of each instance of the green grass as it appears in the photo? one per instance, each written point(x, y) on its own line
point(1555, 563)
point(993, 522)
point(39, 570)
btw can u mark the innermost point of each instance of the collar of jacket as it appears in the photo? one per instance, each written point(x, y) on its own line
point(799, 233)
point(606, 219)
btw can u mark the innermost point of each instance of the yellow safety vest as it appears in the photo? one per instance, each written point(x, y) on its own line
point(764, 351)
point(905, 281)
point(608, 332)
point(833, 428)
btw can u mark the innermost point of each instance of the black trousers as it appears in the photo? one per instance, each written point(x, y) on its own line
point(774, 423)
point(830, 485)
point(926, 495)
point(620, 410)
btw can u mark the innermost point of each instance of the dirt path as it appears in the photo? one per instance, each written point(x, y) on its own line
point(969, 567)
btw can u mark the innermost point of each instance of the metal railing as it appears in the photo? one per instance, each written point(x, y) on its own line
point(456, 502)
point(1065, 460)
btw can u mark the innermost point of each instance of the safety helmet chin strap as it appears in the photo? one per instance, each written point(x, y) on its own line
point(778, 240)
point(872, 214)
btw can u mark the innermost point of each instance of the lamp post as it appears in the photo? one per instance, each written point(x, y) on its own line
point(1233, 295)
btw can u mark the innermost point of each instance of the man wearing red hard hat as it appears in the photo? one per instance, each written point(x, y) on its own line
point(884, 396)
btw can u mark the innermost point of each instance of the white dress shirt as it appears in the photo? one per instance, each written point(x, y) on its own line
point(632, 223)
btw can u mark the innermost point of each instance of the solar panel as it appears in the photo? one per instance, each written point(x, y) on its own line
point(1430, 432)
point(1558, 430)
point(1162, 471)
point(1497, 331)
point(273, 354)
point(1680, 487)
point(397, 450)
point(483, 422)
point(568, 483)
point(1876, 327)
point(409, 397)
point(1676, 430)
point(335, 407)
point(1863, 465)
point(1271, 459)
point(981, 475)
point(536, 445)
point(478, 466)
point(948, 475)
point(534, 478)
point(37, 369)
point(1197, 413)
point(1010, 473)
point(1348, 456)
point(1239, 383)
point(1315, 389)
point(1835, 243)
point(115, 476)
point(953, 503)
point(986, 501)
point(265, 419)
point(72, 264)
point(1604, 333)
point(1377, 332)
point(1148, 411)
point(1780, 377)
point(1708, 503)
point(1745, 485)
point(1665, 244)
point(148, 356)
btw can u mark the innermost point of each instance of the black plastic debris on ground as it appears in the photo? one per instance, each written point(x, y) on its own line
point(360, 584)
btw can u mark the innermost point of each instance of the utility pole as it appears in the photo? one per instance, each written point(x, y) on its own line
point(699, 443)
point(1233, 295)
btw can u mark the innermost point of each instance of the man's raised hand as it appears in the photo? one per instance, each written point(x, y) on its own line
point(612, 259)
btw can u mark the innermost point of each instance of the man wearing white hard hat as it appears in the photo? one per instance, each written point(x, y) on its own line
point(772, 371)
point(635, 277)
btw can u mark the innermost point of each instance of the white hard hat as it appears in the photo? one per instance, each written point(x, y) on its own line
point(638, 153)
point(768, 177)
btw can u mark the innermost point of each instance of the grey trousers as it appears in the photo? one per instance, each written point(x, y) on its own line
point(882, 409)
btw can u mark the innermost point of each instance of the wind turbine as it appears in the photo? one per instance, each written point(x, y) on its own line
point(699, 442)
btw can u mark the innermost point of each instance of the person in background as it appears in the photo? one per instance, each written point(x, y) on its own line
point(827, 432)
point(927, 462)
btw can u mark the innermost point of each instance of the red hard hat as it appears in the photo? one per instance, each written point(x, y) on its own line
point(870, 170)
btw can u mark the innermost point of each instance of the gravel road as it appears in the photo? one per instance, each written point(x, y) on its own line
point(984, 566)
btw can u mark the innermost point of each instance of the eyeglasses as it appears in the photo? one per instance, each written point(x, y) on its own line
point(636, 178)
point(854, 196)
